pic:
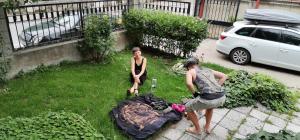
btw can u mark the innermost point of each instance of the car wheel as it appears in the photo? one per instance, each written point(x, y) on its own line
point(240, 56)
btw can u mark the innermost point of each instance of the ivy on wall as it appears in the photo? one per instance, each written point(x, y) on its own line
point(4, 62)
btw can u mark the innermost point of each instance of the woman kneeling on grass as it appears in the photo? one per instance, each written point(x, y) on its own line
point(138, 73)
point(210, 93)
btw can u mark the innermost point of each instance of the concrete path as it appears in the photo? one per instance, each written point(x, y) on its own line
point(235, 123)
point(208, 49)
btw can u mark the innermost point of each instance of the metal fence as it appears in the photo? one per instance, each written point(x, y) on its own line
point(175, 7)
point(219, 14)
point(40, 24)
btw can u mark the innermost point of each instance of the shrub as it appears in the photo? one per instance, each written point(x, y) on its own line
point(4, 63)
point(281, 135)
point(98, 41)
point(238, 90)
point(4, 68)
point(49, 125)
point(244, 89)
point(178, 35)
point(272, 94)
point(11, 4)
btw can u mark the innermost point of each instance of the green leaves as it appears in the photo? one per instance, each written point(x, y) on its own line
point(97, 45)
point(282, 135)
point(244, 89)
point(187, 31)
point(51, 125)
point(4, 62)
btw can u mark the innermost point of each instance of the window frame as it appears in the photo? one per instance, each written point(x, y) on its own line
point(283, 37)
point(254, 29)
point(280, 39)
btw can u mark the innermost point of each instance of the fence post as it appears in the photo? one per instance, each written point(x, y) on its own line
point(81, 19)
point(5, 32)
point(237, 10)
point(6, 48)
point(196, 9)
point(257, 3)
point(189, 9)
point(201, 9)
point(130, 4)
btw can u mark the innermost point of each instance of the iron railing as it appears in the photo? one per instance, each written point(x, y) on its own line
point(219, 14)
point(175, 7)
point(40, 24)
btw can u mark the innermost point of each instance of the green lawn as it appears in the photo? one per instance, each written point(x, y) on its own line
point(90, 90)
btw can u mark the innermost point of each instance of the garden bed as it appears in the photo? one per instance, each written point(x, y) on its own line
point(90, 90)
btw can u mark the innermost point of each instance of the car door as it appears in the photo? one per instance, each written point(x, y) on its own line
point(265, 47)
point(289, 52)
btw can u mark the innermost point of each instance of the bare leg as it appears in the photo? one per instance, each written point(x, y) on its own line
point(208, 116)
point(134, 86)
point(187, 117)
point(193, 117)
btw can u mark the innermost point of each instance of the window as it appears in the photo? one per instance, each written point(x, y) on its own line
point(267, 34)
point(247, 31)
point(291, 38)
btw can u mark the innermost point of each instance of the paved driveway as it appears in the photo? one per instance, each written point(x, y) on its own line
point(208, 49)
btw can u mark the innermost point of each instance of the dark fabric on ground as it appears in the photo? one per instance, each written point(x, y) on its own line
point(143, 128)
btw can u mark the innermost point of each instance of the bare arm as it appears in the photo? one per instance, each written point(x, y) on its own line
point(189, 81)
point(221, 76)
point(132, 67)
point(143, 67)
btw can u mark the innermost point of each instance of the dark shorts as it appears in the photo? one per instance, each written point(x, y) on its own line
point(142, 78)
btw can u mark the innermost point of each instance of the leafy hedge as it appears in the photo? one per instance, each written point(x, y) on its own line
point(244, 89)
point(98, 41)
point(282, 135)
point(50, 125)
point(4, 62)
point(178, 35)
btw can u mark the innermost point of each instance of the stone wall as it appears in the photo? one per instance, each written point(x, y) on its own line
point(29, 59)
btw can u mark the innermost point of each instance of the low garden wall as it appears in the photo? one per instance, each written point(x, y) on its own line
point(29, 59)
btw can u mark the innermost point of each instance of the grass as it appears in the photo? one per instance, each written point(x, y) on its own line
point(217, 67)
point(268, 122)
point(91, 90)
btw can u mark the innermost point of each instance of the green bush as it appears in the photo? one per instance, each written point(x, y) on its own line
point(238, 90)
point(4, 68)
point(244, 89)
point(272, 94)
point(178, 35)
point(49, 125)
point(282, 135)
point(98, 41)
point(11, 4)
point(4, 63)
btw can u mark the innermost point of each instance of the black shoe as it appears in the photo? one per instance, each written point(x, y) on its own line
point(128, 93)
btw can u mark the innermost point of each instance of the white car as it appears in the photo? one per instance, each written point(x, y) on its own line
point(50, 30)
point(274, 45)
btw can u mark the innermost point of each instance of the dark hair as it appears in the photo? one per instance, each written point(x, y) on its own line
point(135, 49)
